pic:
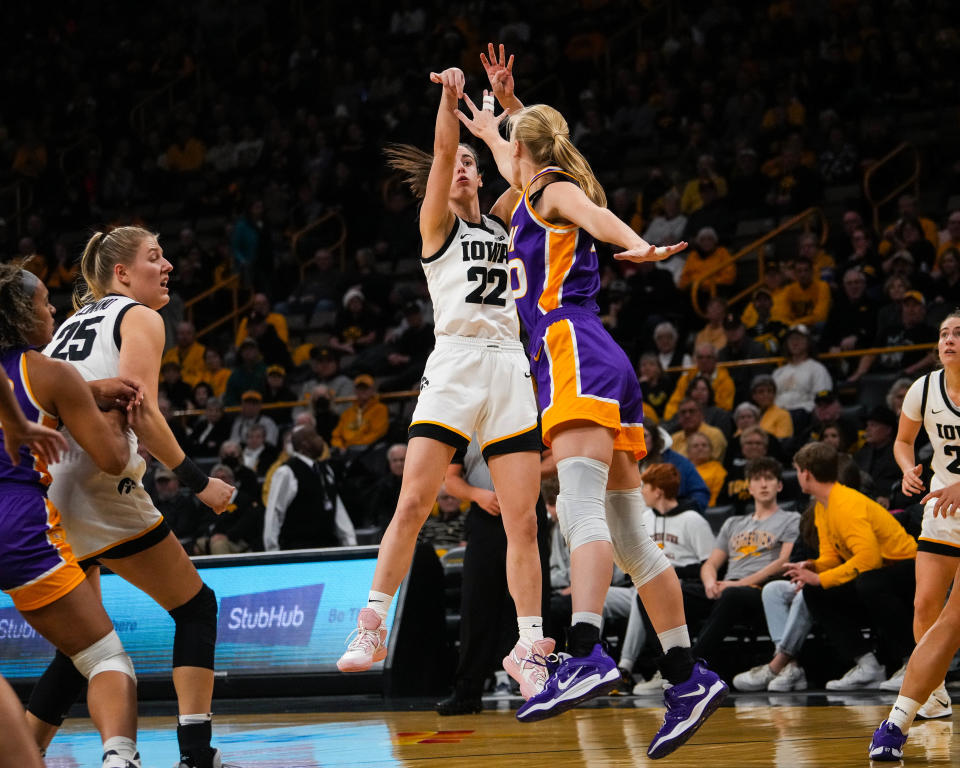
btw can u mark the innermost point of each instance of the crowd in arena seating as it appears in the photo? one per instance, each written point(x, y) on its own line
point(718, 122)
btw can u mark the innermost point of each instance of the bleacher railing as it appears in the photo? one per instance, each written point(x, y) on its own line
point(906, 151)
point(756, 248)
point(305, 402)
point(338, 246)
point(15, 200)
point(164, 98)
point(231, 284)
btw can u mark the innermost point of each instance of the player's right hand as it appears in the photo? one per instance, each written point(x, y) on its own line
point(451, 79)
point(47, 443)
point(911, 482)
point(216, 495)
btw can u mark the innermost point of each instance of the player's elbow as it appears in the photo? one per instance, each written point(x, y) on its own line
point(114, 457)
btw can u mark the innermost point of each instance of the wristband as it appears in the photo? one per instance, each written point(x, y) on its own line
point(190, 475)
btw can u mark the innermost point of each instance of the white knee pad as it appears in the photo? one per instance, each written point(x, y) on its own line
point(634, 551)
point(580, 503)
point(105, 655)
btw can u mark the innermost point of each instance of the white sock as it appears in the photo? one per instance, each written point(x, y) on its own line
point(587, 618)
point(903, 713)
point(194, 719)
point(124, 747)
point(678, 637)
point(531, 629)
point(379, 602)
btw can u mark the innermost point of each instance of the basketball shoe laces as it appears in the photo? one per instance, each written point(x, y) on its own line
point(547, 666)
point(367, 640)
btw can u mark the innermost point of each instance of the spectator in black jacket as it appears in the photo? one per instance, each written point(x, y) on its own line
point(240, 527)
point(210, 430)
point(852, 322)
point(876, 456)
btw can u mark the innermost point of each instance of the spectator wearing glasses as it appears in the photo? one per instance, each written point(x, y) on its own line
point(706, 366)
point(690, 420)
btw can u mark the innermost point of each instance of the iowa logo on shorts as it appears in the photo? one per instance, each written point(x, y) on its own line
point(126, 485)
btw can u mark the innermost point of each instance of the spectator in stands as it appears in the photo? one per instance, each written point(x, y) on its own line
point(774, 420)
point(180, 509)
point(740, 347)
point(908, 236)
point(665, 338)
point(444, 529)
point(690, 420)
point(668, 227)
point(701, 390)
point(706, 366)
point(303, 509)
point(713, 332)
point(251, 408)
point(800, 377)
point(894, 236)
point(239, 528)
point(912, 329)
point(700, 452)
point(200, 394)
point(383, 496)
point(895, 395)
point(852, 322)
point(365, 422)
point(710, 263)
point(754, 548)
point(752, 443)
point(186, 154)
point(948, 239)
point(319, 290)
point(866, 560)
point(876, 456)
point(713, 214)
point(692, 199)
point(258, 454)
point(659, 451)
point(210, 430)
point(189, 353)
point(178, 392)
point(215, 374)
point(249, 243)
point(277, 391)
point(407, 354)
point(273, 350)
point(946, 288)
point(654, 383)
point(261, 309)
point(325, 367)
point(250, 373)
point(795, 187)
point(321, 407)
point(748, 186)
point(895, 288)
point(760, 323)
point(357, 326)
point(807, 299)
point(231, 454)
point(827, 411)
point(904, 264)
point(652, 298)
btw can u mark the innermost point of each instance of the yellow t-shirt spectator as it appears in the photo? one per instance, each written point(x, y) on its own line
point(278, 321)
point(724, 390)
point(697, 266)
point(192, 367)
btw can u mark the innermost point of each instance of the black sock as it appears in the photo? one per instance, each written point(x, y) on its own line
point(194, 742)
point(581, 638)
point(676, 665)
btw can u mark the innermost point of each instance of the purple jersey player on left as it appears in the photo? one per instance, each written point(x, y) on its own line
point(37, 567)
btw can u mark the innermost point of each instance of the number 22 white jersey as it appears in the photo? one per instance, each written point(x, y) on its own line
point(941, 419)
point(469, 282)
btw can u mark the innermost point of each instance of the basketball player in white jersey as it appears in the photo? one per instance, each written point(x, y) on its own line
point(476, 380)
point(933, 402)
point(116, 331)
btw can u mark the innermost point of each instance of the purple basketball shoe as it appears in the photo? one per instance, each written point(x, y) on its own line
point(887, 743)
point(689, 704)
point(572, 681)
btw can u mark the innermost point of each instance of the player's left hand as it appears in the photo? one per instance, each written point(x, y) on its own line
point(483, 123)
point(117, 392)
point(948, 500)
point(499, 72)
point(650, 253)
point(47, 443)
point(217, 495)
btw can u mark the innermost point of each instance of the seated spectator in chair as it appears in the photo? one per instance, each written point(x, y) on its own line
point(445, 528)
point(701, 390)
point(665, 338)
point(261, 310)
point(178, 392)
point(250, 374)
point(273, 349)
point(654, 383)
point(827, 411)
point(210, 430)
point(699, 451)
point(325, 368)
point(805, 301)
point(659, 451)
point(239, 528)
point(775, 420)
point(180, 509)
point(710, 263)
point(251, 406)
point(407, 354)
point(383, 496)
point(740, 347)
point(912, 329)
point(753, 443)
point(277, 391)
point(866, 560)
point(215, 374)
point(303, 509)
point(690, 421)
point(876, 456)
point(258, 454)
point(754, 548)
point(706, 366)
point(365, 422)
point(188, 353)
point(852, 322)
point(758, 318)
point(800, 377)
point(357, 327)
point(321, 406)
point(713, 332)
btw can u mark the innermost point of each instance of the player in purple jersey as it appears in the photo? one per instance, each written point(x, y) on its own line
point(37, 567)
point(592, 415)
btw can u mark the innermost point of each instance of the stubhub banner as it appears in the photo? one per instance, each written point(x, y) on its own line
point(279, 617)
point(298, 626)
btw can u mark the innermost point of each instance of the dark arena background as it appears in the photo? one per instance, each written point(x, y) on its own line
point(808, 151)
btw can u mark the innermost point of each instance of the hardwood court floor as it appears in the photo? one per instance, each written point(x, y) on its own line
point(754, 731)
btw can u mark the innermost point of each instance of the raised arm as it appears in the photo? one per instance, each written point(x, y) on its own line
point(485, 126)
point(436, 218)
point(499, 71)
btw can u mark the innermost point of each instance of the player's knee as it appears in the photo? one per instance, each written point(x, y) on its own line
point(521, 528)
point(641, 558)
point(105, 655)
point(581, 511)
point(195, 638)
point(413, 508)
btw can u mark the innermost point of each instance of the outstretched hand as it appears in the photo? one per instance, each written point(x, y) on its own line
point(650, 253)
point(483, 123)
point(452, 80)
point(499, 72)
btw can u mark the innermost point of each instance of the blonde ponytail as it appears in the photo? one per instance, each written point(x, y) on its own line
point(545, 133)
point(103, 251)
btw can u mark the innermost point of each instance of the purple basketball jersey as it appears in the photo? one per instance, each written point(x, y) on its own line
point(30, 469)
